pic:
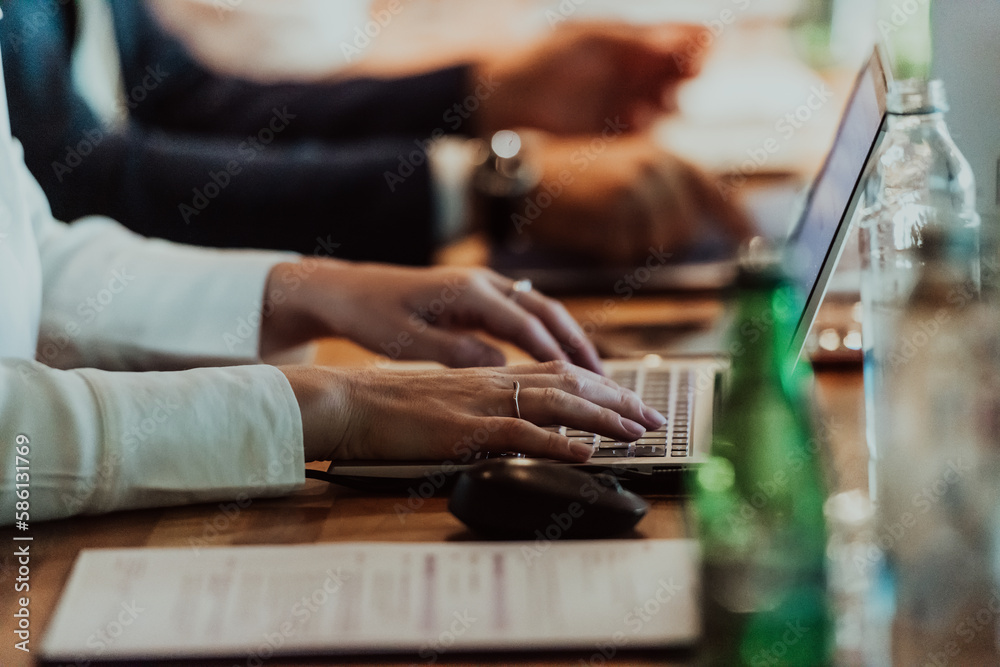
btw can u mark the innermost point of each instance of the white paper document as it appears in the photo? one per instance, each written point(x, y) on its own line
point(422, 598)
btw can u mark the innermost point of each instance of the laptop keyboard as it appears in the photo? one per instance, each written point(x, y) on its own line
point(667, 390)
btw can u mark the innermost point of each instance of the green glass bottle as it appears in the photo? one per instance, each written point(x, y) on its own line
point(759, 499)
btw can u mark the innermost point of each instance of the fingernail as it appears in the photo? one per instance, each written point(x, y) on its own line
point(581, 449)
point(634, 429)
point(653, 416)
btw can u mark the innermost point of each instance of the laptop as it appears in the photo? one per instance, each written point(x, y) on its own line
point(683, 388)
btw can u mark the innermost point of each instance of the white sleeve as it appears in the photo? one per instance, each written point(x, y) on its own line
point(115, 300)
point(103, 441)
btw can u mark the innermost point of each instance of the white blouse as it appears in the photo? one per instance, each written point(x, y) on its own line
point(93, 295)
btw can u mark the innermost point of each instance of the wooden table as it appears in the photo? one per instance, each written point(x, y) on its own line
point(325, 513)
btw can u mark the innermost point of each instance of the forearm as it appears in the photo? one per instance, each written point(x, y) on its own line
point(291, 317)
point(130, 440)
point(117, 301)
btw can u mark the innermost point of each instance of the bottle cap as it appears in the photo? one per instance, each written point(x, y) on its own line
point(910, 97)
point(760, 265)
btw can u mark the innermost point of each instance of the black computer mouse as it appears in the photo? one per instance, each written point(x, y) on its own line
point(527, 499)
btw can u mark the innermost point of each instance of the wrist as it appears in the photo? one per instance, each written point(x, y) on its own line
point(293, 310)
point(321, 395)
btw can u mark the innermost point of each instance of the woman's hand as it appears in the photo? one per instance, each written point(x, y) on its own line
point(454, 414)
point(427, 314)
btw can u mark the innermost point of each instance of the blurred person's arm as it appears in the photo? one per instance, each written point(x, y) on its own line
point(570, 81)
point(179, 93)
point(313, 197)
point(619, 198)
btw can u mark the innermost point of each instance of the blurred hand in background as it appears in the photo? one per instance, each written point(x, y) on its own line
point(615, 197)
point(583, 74)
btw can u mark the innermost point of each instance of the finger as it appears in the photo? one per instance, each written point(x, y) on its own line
point(565, 329)
point(622, 401)
point(518, 435)
point(501, 316)
point(549, 406)
point(586, 384)
point(555, 368)
point(451, 349)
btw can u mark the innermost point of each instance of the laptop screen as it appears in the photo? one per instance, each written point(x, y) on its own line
point(818, 238)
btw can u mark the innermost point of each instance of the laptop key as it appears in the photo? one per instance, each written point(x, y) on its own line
point(646, 451)
point(608, 452)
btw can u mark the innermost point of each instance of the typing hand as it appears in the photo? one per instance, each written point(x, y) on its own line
point(427, 314)
point(585, 74)
point(455, 414)
point(616, 197)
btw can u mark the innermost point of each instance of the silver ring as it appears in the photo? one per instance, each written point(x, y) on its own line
point(519, 287)
point(517, 394)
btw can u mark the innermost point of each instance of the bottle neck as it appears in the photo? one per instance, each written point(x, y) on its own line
point(761, 336)
point(933, 121)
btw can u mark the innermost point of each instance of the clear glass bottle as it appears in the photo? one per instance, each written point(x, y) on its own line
point(918, 178)
point(938, 493)
point(759, 499)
